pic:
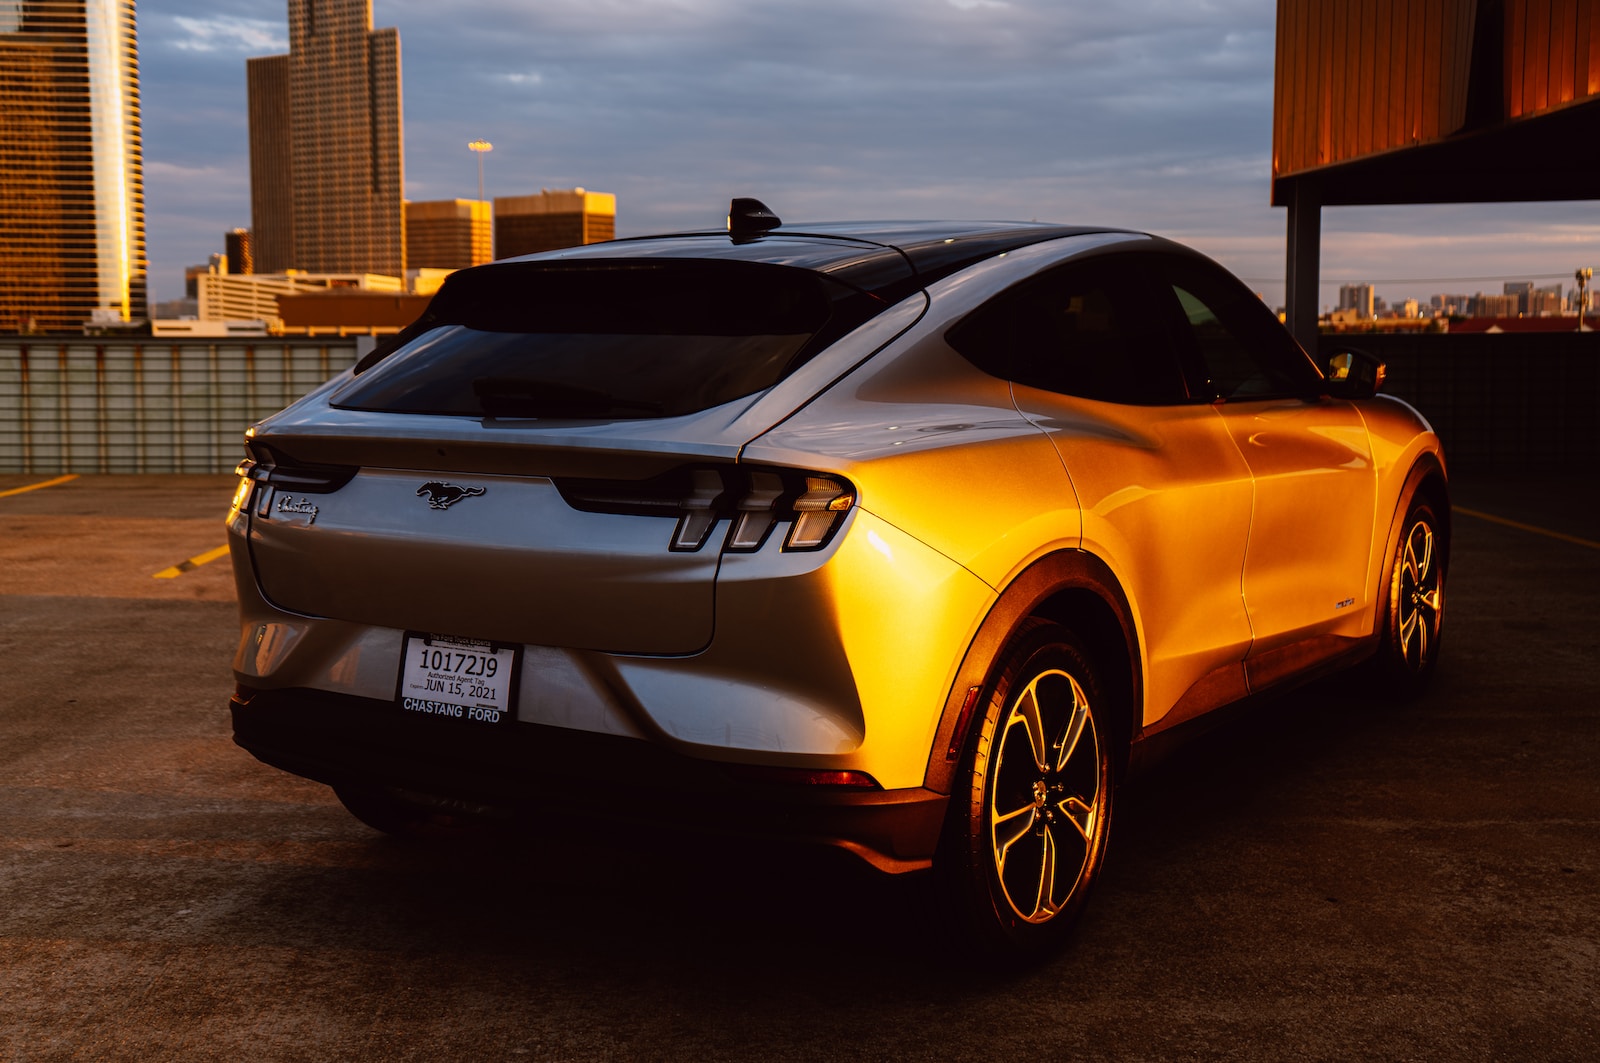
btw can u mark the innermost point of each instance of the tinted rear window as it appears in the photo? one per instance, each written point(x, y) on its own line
point(607, 340)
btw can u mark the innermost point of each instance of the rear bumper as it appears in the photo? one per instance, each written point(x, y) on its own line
point(339, 739)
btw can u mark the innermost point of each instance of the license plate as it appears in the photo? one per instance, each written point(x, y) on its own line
point(459, 679)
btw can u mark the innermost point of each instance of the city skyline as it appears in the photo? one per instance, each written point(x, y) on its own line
point(1145, 116)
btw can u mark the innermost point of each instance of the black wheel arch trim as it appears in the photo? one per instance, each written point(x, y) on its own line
point(1427, 473)
point(1030, 595)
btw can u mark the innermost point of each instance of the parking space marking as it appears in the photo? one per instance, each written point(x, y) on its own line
point(35, 487)
point(1527, 527)
point(190, 565)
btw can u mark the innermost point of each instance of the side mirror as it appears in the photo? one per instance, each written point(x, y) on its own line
point(1353, 374)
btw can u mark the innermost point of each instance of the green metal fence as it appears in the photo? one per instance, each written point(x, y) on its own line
point(118, 406)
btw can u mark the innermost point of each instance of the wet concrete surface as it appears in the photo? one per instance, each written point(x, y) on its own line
point(1326, 878)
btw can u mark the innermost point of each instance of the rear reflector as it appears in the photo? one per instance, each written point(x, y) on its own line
point(818, 777)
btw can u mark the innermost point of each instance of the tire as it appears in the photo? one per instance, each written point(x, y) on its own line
point(1413, 611)
point(380, 810)
point(1031, 808)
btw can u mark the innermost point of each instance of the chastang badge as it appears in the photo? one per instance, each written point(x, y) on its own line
point(442, 495)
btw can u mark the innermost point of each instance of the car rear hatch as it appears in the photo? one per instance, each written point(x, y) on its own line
point(550, 455)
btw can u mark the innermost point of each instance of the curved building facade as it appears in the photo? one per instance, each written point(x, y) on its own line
point(72, 241)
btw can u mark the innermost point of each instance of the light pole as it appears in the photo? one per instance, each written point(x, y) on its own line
point(1584, 277)
point(480, 148)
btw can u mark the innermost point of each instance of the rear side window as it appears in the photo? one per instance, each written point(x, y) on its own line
point(1086, 329)
point(608, 340)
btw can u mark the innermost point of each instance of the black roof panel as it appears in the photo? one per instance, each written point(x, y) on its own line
point(889, 259)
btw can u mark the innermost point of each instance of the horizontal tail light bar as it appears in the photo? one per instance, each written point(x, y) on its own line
point(267, 465)
point(754, 502)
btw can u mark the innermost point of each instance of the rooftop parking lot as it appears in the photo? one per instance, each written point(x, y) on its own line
point(1322, 878)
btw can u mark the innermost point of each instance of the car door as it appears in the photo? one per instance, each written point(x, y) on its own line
point(1164, 493)
point(1310, 458)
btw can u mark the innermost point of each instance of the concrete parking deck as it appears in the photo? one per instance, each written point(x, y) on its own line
point(1327, 878)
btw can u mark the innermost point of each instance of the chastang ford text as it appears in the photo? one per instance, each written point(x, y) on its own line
point(485, 713)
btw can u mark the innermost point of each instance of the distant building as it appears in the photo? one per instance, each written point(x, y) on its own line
point(448, 234)
point(325, 125)
point(552, 219)
point(1496, 305)
point(231, 297)
point(72, 239)
point(348, 311)
point(1522, 290)
point(425, 281)
point(240, 249)
point(1357, 297)
point(176, 309)
point(1545, 302)
point(193, 328)
point(216, 264)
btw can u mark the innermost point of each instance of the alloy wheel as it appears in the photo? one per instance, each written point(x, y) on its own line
point(1421, 598)
point(1043, 805)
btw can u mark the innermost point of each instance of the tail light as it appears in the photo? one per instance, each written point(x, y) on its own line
point(267, 471)
point(270, 465)
point(753, 501)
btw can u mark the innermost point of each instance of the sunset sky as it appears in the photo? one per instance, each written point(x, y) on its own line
point(1146, 114)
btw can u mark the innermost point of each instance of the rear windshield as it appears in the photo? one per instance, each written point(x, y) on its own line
point(607, 340)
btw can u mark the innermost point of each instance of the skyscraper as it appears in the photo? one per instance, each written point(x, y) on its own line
point(71, 166)
point(271, 180)
point(326, 152)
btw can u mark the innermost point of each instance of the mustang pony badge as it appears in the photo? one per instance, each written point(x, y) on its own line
point(442, 495)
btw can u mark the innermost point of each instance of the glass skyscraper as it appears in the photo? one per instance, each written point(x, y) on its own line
point(72, 247)
point(327, 175)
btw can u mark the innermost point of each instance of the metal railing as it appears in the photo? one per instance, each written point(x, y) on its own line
point(143, 406)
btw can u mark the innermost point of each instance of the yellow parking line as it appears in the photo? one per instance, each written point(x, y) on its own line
point(35, 487)
point(193, 563)
point(1527, 527)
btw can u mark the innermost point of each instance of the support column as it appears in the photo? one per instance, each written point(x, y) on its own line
point(1305, 260)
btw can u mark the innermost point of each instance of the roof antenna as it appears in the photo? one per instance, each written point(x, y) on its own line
point(749, 218)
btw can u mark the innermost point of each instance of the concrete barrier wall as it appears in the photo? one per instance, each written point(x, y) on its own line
point(1502, 403)
point(90, 406)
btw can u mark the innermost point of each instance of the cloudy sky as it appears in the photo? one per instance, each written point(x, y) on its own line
point(1148, 114)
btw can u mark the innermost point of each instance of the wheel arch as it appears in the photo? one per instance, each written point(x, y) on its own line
point(1076, 590)
point(1426, 479)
